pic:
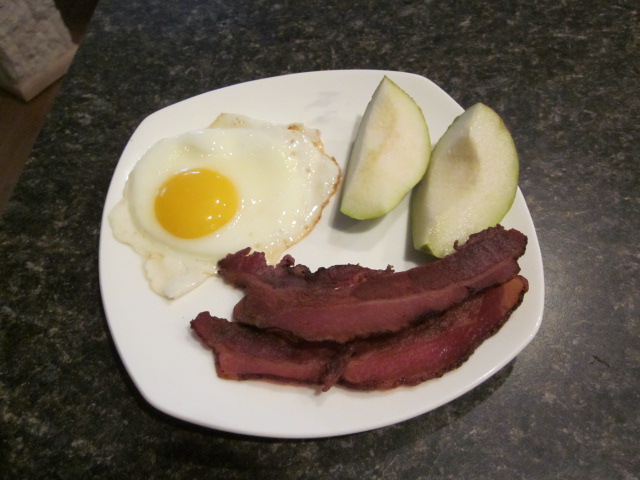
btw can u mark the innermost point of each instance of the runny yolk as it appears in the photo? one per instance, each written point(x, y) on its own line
point(194, 203)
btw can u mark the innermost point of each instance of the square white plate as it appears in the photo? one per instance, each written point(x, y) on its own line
point(173, 371)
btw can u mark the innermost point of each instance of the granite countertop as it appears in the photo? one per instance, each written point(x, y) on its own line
point(564, 76)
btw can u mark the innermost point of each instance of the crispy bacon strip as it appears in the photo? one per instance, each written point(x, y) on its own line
point(406, 358)
point(433, 348)
point(344, 302)
point(243, 352)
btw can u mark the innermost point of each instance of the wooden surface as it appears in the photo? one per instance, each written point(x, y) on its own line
point(20, 124)
point(20, 121)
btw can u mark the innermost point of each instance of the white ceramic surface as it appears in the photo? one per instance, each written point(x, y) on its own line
point(173, 371)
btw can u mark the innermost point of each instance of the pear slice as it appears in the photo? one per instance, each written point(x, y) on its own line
point(470, 184)
point(389, 156)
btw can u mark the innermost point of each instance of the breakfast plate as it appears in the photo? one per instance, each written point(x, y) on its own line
point(176, 374)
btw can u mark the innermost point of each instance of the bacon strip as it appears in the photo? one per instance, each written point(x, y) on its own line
point(243, 353)
point(410, 357)
point(433, 348)
point(344, 302)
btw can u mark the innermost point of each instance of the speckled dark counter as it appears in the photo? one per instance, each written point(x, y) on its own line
point(563, 75)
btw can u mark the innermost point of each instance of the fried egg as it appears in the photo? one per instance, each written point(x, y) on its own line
point(196, 197)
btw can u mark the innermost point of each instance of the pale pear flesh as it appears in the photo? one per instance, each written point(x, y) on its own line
point(389, 156)
point(470, 184)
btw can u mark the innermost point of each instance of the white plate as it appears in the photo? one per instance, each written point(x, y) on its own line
point(172, 370)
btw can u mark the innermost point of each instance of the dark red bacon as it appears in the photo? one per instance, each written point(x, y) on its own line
point(430, 350)
point(344, 302)
point(243, 352)
point(412, 356)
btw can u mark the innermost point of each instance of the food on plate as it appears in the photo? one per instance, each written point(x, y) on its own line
point(343, 302)
point(466, 184)
point(332, 326)
point(470, 184)
point(409, 357)
point(243, 352)
point(193, 198)
point(389, 156)
point(434, 347)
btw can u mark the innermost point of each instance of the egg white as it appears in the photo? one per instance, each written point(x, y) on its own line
point(283, 179)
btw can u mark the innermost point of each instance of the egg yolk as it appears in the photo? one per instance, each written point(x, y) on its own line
point(194, 203)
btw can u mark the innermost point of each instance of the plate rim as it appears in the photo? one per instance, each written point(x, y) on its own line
point(105, 232)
